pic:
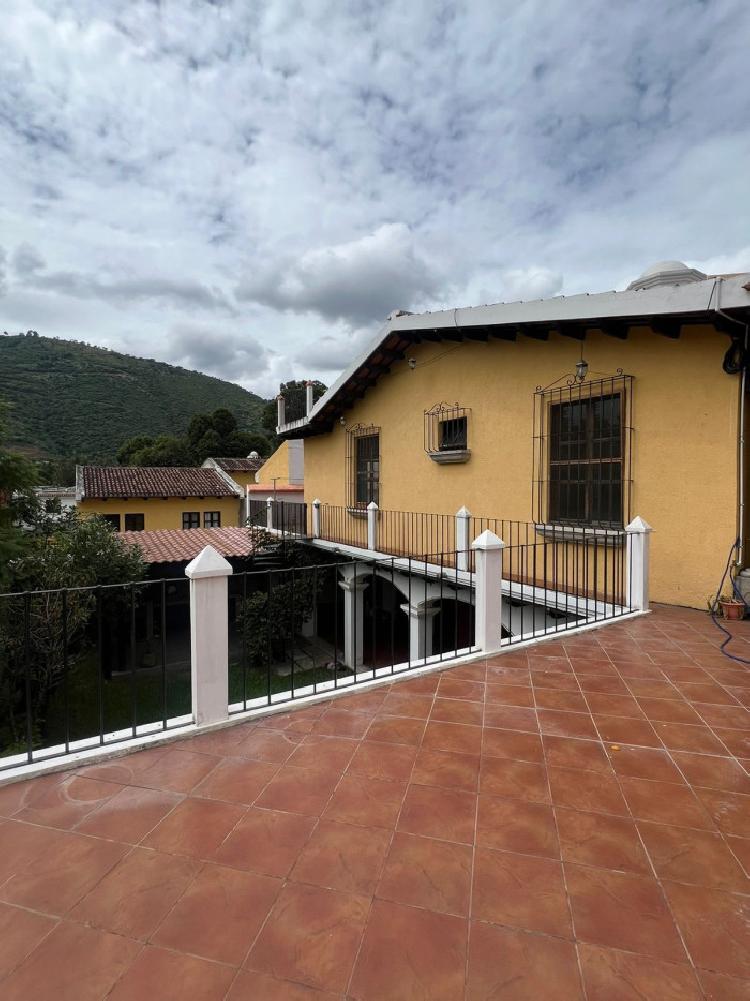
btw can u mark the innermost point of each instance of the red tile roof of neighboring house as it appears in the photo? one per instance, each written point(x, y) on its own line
point(246, 465)
point(176, 545)
point(154, 481)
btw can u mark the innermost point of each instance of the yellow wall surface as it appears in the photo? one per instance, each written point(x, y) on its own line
point(276, 467)
point(160, 513)
point(684, 442)
point(240, 477)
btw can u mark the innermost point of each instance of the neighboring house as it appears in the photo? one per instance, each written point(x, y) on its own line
point(241, 470)
point(282, 475)
point(137, 498)
point(48, 496)
point(577, 412)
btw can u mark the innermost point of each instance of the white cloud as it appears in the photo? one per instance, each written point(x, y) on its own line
point(184, 178)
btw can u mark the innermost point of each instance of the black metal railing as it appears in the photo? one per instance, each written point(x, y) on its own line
point(295, 405)
point(310, 629)
point(87, 667)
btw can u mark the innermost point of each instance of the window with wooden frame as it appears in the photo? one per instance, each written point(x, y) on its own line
point(582, 453)
point(212, 519)
point(113, 519)
point(191, 519)
point(363, 466)
point(134, 522)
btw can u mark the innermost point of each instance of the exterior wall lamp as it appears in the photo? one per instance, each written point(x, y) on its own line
point(582, 368)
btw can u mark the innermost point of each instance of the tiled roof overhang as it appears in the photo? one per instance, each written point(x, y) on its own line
point(666, 310)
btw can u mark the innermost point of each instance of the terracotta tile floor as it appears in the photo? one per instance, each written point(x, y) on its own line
point(569, 823)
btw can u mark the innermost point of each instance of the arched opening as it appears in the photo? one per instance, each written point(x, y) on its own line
point(453, 626)
point(386, 626)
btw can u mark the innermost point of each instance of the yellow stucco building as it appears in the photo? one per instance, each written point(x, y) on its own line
point(572, 413)
point(148, 498)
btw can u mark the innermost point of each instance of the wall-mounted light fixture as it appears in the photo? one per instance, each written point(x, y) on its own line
point(412, 363)
point(342, 421)
point(582, 368)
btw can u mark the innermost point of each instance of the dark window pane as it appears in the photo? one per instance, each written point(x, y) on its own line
point(134, 522)
point(212, 519)
point(367, 469)
point(114, 520)
point(453, 434)
point(191, 519)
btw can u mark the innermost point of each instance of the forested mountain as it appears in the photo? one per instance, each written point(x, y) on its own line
point(69, 399)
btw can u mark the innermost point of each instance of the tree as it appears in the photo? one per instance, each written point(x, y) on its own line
point(44, 631)
point(208, 436)
point(17, 476)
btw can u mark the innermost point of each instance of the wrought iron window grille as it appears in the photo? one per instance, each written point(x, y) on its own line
point(363, 457)
point(583, 434)
point(446, 432)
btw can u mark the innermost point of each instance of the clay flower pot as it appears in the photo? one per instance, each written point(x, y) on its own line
point(732, 609)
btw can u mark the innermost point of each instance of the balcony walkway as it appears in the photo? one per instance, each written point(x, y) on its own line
point(530, 826)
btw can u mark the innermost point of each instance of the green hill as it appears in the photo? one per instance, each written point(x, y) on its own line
point(70, 399)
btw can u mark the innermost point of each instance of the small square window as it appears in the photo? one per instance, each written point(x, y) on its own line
point(212, 519)
point(134, 522)
point(191, 519)
point(113, 520)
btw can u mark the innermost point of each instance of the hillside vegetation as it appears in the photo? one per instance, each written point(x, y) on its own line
point(69, 399)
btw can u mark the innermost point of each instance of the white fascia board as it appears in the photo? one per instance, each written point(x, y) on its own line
point(664, 300)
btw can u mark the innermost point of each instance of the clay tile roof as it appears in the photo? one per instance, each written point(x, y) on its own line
point(154, 481)
point(246, 465)
point(176, 545)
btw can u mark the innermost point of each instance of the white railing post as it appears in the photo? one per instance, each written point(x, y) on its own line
point(308, 397)
point(372, 525)
point(489, 591)
point(463, 521)
point(269, 514)
point(636, 567)
point(209, 635)
point(280, 411)
point(316, 519)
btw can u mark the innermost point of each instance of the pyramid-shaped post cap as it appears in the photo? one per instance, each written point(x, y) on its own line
point(638, 525)
point(317, 502)
point(208, 563)
point(463, 512)
point(487, 540)
point(372, 506)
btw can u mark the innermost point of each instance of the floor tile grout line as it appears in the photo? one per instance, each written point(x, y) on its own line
point(470, 907)
point(656, 876)
point(579, 963)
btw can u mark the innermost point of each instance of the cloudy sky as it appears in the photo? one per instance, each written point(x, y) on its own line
point(248, 188)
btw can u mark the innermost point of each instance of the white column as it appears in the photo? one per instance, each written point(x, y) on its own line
point(372, 525)
point(209, 635)
point(463, 520)
point(308, 397)
point(488, 591)
point(316, 519)
point(280, 411)
point(420, 630)
point(354, 619)
point(636, 567)
point(269, 513)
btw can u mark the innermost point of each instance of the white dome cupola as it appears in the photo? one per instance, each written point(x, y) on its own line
point(666, 273)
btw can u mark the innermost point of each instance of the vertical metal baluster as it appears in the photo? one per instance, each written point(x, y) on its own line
point(269, 603)
point(99, 665)
point(315, 627)
point(408, 662)
point(393, 620)
point(65, 668)
point(164, 653)
point(244, 640)
point(336, 592)
point(27, 676)
point(374, 616)
point(133, 681)
point(294, 623)
point(440, 613)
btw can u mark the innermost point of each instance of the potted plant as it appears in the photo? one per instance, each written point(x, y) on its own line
point(731, 607)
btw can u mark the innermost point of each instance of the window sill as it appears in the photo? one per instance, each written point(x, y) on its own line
point(357, 512)
point(572, 533)
point(451, 456)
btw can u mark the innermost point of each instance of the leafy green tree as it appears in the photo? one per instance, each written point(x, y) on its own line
point(223, 422)
point(44, 632)
point(242, 443)
point(208, 436)
point(17, 475)
point(165, 450)
point(129, 449)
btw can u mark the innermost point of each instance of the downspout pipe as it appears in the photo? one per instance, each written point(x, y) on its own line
point(741, 436)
